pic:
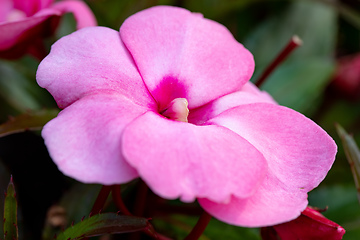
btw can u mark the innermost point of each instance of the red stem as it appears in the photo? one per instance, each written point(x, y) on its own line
point(294, 43)
point(101, 200)
point(116, 194)
point(200, 227)
point(140, 202)
point(38, 50)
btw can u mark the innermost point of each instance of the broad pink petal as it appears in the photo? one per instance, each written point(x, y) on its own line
point(82, 13)
point(271, 204)
point(246, 95)
point(299, 153)
point(90, 60)
point(182, 55)
point(183, 160)
point(84, 140)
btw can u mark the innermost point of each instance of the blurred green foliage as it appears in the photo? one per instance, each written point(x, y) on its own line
point(302, 82)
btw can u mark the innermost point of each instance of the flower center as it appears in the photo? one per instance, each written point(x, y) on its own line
point(177, 110)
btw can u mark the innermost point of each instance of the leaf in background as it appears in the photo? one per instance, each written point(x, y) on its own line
point(179, 226)
point(215, 8)
point(305, 74)
point(298, 84)
point(16, 89)
point(350, 14)
point(104, 223)
point(10, 213)
point(33, 120)
point(4, 177)
point(352, 153)
point(313, 22)
point(85, 195)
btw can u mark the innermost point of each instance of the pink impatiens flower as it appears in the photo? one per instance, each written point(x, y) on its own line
point(23, 23)
point(168, 100)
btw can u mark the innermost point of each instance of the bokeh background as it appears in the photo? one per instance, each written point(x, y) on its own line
point(311, 80)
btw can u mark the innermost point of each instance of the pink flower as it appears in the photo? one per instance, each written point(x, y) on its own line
point(310, 225)
point(24, 22)
point(126, 96)
point(347, 77)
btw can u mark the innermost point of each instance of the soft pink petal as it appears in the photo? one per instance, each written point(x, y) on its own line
point(272, 203)
point(84, 140)
point(5, 8)
point(90, 60)
point(82, 13)
point(183, 160)
point(182, 55)
point(30, 7)
point(246, 95)
point(24, 30)
point(298, 152)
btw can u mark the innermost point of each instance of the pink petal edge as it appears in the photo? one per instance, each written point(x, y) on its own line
point(183, 160)
point(82, 13)
point(299, 152)
point(84, 140)
point(91, 60)
point(182, 55)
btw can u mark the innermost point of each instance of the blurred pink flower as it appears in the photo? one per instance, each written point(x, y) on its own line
point(347, 77)
point(126, 96)
point(310, 225)
point(23, 24)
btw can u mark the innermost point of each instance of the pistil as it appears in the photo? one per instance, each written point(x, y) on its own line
point(177, 110)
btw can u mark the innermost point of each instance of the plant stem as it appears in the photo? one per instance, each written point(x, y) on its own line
point(200, 227)
point(294, 43)
point(140, 202)
point(116, 194)
point(100, 200)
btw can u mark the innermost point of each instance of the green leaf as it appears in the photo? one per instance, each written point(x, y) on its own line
point(85, 195)
point(299, 84)
point(301, 79)
point(32, 120)
point(215, 8)
point(104, 223)
point(350, 14)
point(313, 22)
point(352, 153)
point(4, 177)
point(21, 93)
point(179, 226)
point(10, 213)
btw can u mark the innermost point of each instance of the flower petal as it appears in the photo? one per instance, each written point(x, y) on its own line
point(82, 13)
point(272, 203)
point(30, 7)
point(182, 55)
point(298, 152)
point(25, 30)
point(5, 9)
point(246, 95)
point(90, 60)
point(183, 160)
point(310, 225)
point(84, 140)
